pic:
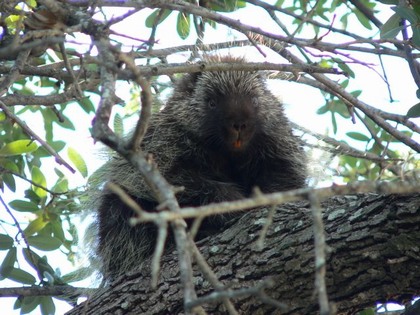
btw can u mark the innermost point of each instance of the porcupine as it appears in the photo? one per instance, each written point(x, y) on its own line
point(219, 135)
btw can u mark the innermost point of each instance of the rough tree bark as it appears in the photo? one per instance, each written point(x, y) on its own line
point(374, 255)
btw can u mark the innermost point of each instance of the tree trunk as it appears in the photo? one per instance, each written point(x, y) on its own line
point(373, 256)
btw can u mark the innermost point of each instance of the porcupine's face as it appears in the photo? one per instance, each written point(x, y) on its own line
point(230, 117)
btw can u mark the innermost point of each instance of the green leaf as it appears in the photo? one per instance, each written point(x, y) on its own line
point(21, 276)
point(38, 178)
point(67, 123)
point(49, 117)
point(343, 66)
point(368, 311)
point(151, 19)
point(9, 180)
point(363, 20)
point(35, 226)
point(77, 275)
point(56, 145)
point(18, 147)
point(406, 13)
point(31, 3)
point(46, 243)
point(87, 105)
point(414, 111)
point(32, 196)
point(57, 229)
point(416, 35)
point(358, 136)
point(183, 25)
point(29, 303)
point(118, 125)
point(6, 242)
point(7, 265)
point(324, 63)
point(61, 186)
point(392, 27)
point(334, 122)
point(341, 109)
point(389, 1)
point(12, 20)
point(226, 5)
point(78, 161)
point(47, 305)
point(323, 109)
point(10, 165)
point(37, 262)
point(24, 206)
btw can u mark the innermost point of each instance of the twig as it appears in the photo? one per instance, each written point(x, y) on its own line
point(33, 135)
point(4, 170)
point(264, 230)
point(161, 225)
point(385, 78)
point(211, 276)
point(414, 67)
point(117, 190)
point(344, 148)
point(230, 66)
point(163, 190)
point(185, 264)
point(232, 294)
point(152, 37)
point(158, 252)
point(283, 197)
point(320, 251)
point(146, 102)
point(14, 71)
point(366, 12)
point(40, 276)
point(54, 290)
point(350, 100)
point(401, 119)
point(304, 18)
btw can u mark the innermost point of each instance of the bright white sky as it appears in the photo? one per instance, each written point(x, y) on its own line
point(301, 102)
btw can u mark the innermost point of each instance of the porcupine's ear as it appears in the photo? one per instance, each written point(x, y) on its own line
point(187, 83)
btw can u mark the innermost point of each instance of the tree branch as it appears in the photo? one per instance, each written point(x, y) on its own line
point(54, 290)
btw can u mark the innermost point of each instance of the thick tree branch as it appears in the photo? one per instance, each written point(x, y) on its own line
point(373, 254)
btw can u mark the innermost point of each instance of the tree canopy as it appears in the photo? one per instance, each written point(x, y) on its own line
point(76, 72)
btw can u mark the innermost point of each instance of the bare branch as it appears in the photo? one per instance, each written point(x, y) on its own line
point(54, 290)
point(260, 200)
point(320, 253)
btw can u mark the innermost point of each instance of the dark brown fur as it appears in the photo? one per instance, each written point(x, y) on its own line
point(220, 135)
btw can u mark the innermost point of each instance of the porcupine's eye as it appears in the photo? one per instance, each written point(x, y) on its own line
point(211, 103)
